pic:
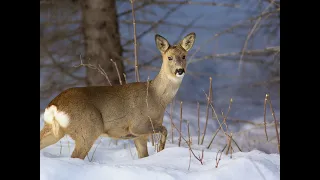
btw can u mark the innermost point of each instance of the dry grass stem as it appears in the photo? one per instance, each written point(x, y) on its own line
point(218, 160)
point(190, 143)
point(225, 117)
point(207, 110)
point(171, 119)
point(200, 159)
point(135, 42)
point(198, 109)
point(220, 125)
point(229, 143)
point(264, 116)
point(213, 137)
point(275, 121)
point(179, 142)
point(115, 65)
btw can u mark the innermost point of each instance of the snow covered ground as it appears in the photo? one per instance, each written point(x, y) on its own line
point(109, 159)
point(171, 163)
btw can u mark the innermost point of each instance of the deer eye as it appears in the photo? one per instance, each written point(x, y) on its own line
point(183, 57)
point(169, 58)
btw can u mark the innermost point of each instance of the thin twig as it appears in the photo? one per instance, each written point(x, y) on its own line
point(179, 143)
point(99, 69)
point(207, 110)
point(264, 116)
point(221, 124)
point(171, 119)
point(230, 29)
point(199, 159)
point(115, 64)
point(254, 52)
point(218, 160)
point(170, 24)
point(144, 4)
point(163, 2)
point(213, 136)
point(250, 34)
point(189, 134)
point(198, 108)
point(135, 42)
point(225, 117)
point(154, 25)
point(229, 143)
point(275, 121)
point(189, 143)
point(57, 64)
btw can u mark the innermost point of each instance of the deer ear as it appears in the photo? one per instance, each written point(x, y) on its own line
point(162, 43)
point(188, 41)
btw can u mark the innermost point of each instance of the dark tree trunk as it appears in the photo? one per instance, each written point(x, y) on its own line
point(102, 40)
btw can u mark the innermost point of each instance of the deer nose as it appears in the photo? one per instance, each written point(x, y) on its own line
point(180, 71)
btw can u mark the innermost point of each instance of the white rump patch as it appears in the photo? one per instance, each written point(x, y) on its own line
point(51, 113)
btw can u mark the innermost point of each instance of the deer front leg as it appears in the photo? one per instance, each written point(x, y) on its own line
point(145, 130)
point(141, 146)
point(163, 139)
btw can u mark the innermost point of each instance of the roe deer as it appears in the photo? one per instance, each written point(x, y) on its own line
point(119, 111)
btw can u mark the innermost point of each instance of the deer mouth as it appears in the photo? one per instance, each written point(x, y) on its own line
point(179, 72)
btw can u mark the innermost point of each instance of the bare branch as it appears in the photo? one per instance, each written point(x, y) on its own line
point(256, 52)
point(250, 34)
point(154, 25)
point(196, 3)
point(230, 29)
point(99, 69)
point(145, 4)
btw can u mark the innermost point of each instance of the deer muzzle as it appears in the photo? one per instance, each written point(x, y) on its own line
point(179, 72)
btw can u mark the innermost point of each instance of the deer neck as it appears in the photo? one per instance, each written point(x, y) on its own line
point(165, 86)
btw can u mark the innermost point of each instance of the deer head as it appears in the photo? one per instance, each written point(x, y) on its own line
point(174, 56)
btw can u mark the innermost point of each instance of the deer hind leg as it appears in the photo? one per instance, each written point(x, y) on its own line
point(83, 147)
point(47, 137)
point(141, 146)
point(85, 139)
point(85, 132)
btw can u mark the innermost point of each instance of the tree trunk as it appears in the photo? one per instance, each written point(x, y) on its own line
point(102, 41)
